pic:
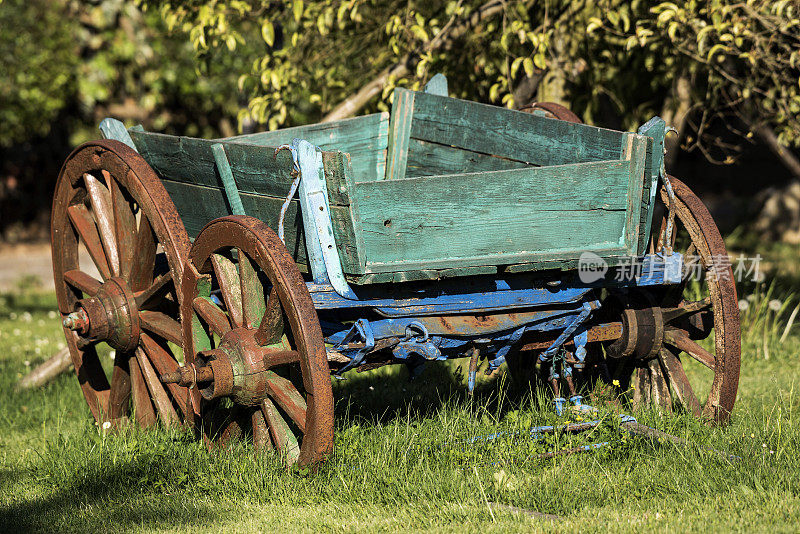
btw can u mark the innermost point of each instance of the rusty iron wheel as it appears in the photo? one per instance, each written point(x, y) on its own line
point(690, 312)
point(110, 202)
point(255, 354)
point(553, 111)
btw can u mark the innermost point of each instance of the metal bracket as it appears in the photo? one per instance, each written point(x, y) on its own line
point(323, 256)
point(360, 328)
point(568, 331)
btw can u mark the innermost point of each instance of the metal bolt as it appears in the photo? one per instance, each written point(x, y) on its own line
point(77, 321)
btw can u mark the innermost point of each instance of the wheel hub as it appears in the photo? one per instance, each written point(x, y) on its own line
point(111, 316)
point(235, 369)
point(642, 334)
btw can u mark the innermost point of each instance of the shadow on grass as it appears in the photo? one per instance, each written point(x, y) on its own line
point(109, 502)
point(385, 394)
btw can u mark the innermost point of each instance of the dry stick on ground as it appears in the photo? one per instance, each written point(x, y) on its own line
point(450, 32)
point(59, 363)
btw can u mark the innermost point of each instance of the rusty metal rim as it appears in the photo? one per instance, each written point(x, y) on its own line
point(256, 239)
point(706, 236)
point(143, 185)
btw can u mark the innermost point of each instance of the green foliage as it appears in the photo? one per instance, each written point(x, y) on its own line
point(36, 67)
point(610, 57)
point(78, 62)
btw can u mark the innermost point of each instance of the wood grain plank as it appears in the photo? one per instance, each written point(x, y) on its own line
point(492, 218)
point(399, 133)
point(510, 134)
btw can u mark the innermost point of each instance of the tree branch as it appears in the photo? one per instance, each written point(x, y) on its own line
point(354, 103)
point(784, 154)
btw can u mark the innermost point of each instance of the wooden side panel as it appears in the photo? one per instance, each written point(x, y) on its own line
point(364, 138)
point(256, 169)
point(507, 133)
point(198, 205)
point(493, 218)
point(430, 159)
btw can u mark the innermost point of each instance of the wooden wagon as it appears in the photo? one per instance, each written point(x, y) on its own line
point(237, 274)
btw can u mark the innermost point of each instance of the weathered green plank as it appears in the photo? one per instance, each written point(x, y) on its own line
point(424, 274)
point(635, 147)
point(492, 218)
point(655, 129)
point(228, 182)
point(430, 159)
point(115, 129)
point(399, 128)
point(364, 138)
point(508, 133)
point(256, 169)
point(198, 205)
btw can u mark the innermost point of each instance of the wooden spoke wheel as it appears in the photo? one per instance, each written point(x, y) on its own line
point(662, 338)
point(255, 354)
point(109, 202)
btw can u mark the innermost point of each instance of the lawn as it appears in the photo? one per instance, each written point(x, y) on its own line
point(403, 459)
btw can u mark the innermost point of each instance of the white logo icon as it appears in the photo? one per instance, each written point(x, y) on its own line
point(591, 267)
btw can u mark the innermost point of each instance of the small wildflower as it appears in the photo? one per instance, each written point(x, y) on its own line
point(112, 354)
point(752, 436)
point(51, 314)
point(106, 425)
point(774, 305)
point(27, 363)
point(751, 297)
point(743, 305)
point(615, 383)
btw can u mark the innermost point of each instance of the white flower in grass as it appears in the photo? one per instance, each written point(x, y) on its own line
point(751, 297)
point(743, 305)
point(106, 425)
point(775, 305)
point(112, 354)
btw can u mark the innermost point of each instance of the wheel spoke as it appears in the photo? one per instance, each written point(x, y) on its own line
point(165, 363)
point(231, 431)
point(103, 213)
point(253, 305)
point(679, 381)
point(161, 324)
point(120, 396)
point(283, 392)
point(145, 260)
point(261, 439)
point(282, 436)
point(680, 340)
point(124, 226)
point(166, 411)
point(143, 407)
point(659, 390)
point(83, 223)
point(228, 279)
point(274, 358)
point(271, 328)
point(687, 308)
point(155, 292)
point(213, 316)
point(82, 282)
point(641, 392)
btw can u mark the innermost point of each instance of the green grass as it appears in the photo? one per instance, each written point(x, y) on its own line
point(400, 461)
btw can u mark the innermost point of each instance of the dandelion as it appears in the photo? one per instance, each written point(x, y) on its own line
point(751, 297)
point(743, 305)
point(764, 445)
point(774, 305)
point(615, 383)
point(27, 363)
point(51, 314)
point(106, 425)
point(752, 436)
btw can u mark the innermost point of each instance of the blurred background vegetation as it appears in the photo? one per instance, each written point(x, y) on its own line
point(724, 73)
